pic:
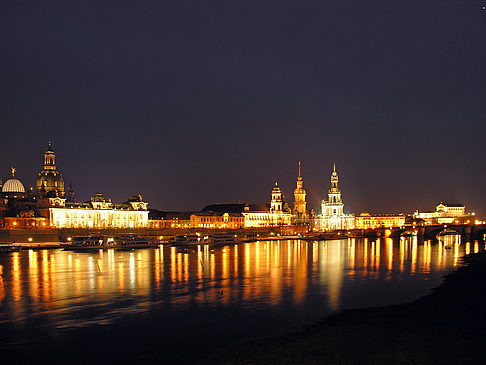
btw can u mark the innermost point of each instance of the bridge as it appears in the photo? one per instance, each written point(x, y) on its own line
point(427, 232)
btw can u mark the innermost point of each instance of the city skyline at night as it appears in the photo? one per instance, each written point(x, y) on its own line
point(254, 182)
point(36, 188)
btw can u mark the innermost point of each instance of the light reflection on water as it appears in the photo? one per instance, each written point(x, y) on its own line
point(295, 281)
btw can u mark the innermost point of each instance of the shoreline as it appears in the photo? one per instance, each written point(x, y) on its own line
point(444, 326)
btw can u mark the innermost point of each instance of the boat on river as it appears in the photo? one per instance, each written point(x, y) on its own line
point(220, 239)
point(89, 243)
point(9, 248)
point(213, 239)
point(135, 241)
point(186, 240)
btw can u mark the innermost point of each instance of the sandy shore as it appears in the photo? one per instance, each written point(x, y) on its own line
point(446, 326)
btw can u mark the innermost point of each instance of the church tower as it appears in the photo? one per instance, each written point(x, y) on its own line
point(334, 206)
point(278, 200)
point(49, 181)
point(300, 205)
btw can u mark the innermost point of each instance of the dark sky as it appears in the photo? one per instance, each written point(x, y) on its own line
point(198, 102)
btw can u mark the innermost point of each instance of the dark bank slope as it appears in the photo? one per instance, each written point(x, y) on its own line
point(446, 326)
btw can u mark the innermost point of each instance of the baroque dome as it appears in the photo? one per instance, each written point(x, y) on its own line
point(13, 186)
point(50, 181)
point(276, 189)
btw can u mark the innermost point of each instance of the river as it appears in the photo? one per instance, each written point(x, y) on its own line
point(152, 304)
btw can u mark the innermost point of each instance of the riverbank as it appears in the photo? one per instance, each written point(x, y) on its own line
point(56, 235)
point(446, 326)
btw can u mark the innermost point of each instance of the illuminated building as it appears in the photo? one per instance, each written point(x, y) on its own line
point(254, 215)
point(26, 220)
point(366, 220)
point(49, 207)
point(49, 179)
point(257, 215)
point(13, 188)
point(217, 220)
point(446, 213)
point(99, 212)
point(332, 211)
point(159, 219)
point(300, 206)
point(17, 206)
point(278, 213)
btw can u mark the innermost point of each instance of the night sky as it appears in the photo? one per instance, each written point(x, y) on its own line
point(196, 102)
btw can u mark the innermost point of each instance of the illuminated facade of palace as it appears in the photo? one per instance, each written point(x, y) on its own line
point(332, 215)
point(366, 220)
point(99, 212)
point(446, 213)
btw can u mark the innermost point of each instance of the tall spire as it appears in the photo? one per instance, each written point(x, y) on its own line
point(334, 168)
point(299, 196)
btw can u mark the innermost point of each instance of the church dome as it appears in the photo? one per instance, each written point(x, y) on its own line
point(276, 189)
point(13, 186)
point(50, 180)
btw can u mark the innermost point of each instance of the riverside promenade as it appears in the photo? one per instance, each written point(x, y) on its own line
point(444, 327)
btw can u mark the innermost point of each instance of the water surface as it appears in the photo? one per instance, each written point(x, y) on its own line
point(207, 298)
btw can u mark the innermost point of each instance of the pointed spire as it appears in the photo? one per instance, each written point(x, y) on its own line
point(334, 168)
point(299, 169)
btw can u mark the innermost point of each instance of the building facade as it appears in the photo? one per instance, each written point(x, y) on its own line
point(277, 214)
point(174, 220)
point(332, 215)
point(217, 220)
point(446, 213)
point(99, 212)
point(366, 220)
point(280, 213)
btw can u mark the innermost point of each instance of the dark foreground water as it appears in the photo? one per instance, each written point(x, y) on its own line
point(157, 305)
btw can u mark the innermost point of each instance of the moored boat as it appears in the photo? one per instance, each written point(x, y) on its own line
point(9, 248)
point(187, 240)
point(220, 239)
point(134, 241)
point(89, 243)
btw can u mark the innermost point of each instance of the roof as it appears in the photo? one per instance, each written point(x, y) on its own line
point(13, 186)
point(219, 214)
point(157, 214)
point(457, 205)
